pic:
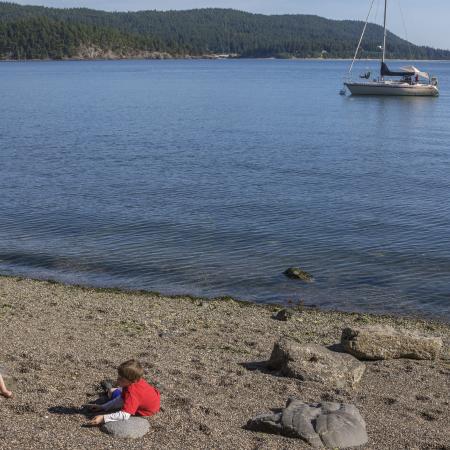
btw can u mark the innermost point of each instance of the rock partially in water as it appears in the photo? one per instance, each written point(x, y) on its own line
point(376, 342)
point(298, 274)
point(331, 425)
point(283, 315)
point(133, 428)
point(311, 362)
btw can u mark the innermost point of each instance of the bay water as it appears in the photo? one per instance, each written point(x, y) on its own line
point(210, 178)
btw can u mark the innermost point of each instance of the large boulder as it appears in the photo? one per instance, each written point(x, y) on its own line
point(331, 425)
point(376, 342)
point(311, 362)
point(133, 428)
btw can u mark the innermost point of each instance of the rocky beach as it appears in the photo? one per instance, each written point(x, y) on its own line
point(209, 358)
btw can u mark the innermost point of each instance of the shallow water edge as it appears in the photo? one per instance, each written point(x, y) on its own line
point(366, 317)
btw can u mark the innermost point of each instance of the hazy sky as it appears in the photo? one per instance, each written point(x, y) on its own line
point(426, 21)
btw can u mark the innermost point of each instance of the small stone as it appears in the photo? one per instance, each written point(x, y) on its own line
point(133, 428)
point(311, 362)
point(376, 342)
point(298, 274)
point(327, 424)
point(282, 315)
point(169, 333)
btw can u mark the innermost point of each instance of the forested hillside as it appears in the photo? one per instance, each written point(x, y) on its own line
point(34, 32)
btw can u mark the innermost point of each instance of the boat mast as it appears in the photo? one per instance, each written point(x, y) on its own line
point(384, 36)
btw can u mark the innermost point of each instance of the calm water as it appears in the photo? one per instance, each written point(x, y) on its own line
point(212, 177)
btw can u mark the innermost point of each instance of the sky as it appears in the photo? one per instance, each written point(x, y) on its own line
point(426, 21)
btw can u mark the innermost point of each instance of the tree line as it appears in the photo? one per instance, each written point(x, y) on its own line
point(38, 32)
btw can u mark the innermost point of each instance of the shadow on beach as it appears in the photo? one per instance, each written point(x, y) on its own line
point(83, 410)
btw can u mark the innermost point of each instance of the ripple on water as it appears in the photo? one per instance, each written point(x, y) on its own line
point(211, 178)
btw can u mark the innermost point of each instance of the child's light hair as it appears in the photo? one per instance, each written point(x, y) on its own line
point(131, 370)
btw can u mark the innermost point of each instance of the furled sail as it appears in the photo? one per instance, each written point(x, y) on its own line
point(406, 71)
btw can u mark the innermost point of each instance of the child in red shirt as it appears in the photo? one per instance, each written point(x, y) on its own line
point(137, 396)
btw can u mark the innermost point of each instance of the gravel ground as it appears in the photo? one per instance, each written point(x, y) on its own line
point(58, 342)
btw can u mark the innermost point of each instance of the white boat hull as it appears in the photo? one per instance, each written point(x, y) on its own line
point(392, 88)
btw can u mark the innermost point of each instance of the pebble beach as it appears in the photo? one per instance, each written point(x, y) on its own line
point(58, 342)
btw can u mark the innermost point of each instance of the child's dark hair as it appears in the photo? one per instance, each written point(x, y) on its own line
point(131, 370)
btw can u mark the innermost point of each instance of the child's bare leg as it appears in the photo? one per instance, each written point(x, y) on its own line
point(3, 391)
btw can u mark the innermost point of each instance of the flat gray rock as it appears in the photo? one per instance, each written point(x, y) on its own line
point(311, 362)
point(134, 428)
point(330, 425)
point(376, 342)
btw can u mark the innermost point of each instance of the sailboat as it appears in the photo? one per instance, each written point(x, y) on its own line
point(408, 81)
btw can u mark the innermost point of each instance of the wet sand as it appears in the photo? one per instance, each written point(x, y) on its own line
point(58, 342)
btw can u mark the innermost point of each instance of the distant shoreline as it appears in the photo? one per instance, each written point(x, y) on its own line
point(209, 58)
point(79, 33)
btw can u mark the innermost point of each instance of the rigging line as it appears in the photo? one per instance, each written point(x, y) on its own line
point(404, 28)
point(375, 18)
point(361, 38)
point(377, 10)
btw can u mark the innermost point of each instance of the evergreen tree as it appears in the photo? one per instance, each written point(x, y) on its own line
point(39, 32)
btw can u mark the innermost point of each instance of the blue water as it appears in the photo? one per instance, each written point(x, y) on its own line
point(212, 177)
